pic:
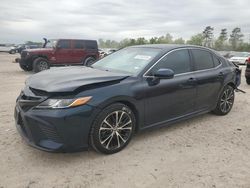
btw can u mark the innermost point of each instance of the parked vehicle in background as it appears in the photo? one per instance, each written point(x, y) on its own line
point(111, 51)
point(247, 71)
point(240, 58)
point(133, 89)
point(102, 53)
point(22, 47)
point(8, 48)
point(59, 52)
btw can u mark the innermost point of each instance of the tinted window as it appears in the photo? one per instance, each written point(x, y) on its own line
point(203, 59)
point(78, 44)
point(91, 44)
point(64, 44)
point(178, 61)
point(216, 61)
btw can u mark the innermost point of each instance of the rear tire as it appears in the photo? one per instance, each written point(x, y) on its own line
point(89, 61)
point(40, 64)
point(248, 81)
point(226, 101)
point(112, 129)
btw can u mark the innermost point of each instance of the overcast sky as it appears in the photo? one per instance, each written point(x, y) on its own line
point(23, 20)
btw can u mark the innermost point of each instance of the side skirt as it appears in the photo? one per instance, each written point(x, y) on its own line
point(175, 120)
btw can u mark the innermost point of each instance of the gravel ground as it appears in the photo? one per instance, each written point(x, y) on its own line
point(206, 151)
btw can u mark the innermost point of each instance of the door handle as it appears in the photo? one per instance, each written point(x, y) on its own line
point(221, 74)
point(192, 81)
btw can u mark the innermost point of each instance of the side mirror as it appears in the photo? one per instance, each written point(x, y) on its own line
point(164, 73)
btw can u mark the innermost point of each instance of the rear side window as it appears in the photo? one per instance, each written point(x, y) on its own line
point(216, 61)
point(64, 44)
point(202, 59)
point(78, 44)
point(178, 61)
point(91, 44)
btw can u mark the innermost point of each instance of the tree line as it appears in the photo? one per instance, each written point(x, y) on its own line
point(232, 41)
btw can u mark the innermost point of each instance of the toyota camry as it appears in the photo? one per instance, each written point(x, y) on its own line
point(134, 89)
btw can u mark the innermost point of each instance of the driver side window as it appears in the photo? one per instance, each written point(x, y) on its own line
point(178, 61)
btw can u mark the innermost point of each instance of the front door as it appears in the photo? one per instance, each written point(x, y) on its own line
point(63, 52)
point(168, 99)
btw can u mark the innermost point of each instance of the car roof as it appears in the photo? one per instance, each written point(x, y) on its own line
point(168, 47)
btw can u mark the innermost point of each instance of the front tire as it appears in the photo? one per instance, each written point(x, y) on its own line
point(40, 64)
point(113, 129)
point(25, 68)
point(225, 102)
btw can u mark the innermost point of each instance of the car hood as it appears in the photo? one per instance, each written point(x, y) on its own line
point(68, 79)
point(35, 50)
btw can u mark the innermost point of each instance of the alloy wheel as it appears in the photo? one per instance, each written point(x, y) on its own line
point(43, 65)
point(115, 130)
point(227, 100)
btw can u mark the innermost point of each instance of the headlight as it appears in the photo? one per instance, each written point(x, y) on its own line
point(63, 103)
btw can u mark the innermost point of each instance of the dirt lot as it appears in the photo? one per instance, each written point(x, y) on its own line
point(207, 151)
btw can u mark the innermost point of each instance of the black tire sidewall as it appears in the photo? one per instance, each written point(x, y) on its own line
point(88, 61)
point(36, 64)
point(25, 68)
point(218, 110)
point(94, 135)
point(248, 81)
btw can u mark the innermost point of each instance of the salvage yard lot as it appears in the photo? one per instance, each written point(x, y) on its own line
point(206, 151)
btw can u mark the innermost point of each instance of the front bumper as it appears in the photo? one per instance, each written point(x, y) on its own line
point(25, 61)
point(61, 130)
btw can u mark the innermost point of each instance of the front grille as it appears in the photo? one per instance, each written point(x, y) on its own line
point(50, 133)
point(23, 54)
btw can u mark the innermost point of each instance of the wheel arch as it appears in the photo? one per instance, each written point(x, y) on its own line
point(41, 56)
point(231, 84)
point(135, 111)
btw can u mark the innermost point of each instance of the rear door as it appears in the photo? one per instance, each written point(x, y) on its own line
point(63, 52)
point(209, 78)
point(78, 52)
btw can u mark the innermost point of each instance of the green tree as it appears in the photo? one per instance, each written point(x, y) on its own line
point(179, 41)
point(168, 39)
point(196, 40)
point(236, 38)
point(153, 40)
point(33, 43)
point(141, 40)
point(220, 42)
point(208, 36)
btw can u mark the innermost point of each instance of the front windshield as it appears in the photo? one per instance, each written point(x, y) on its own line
point(51, 43)
point(128, 60)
